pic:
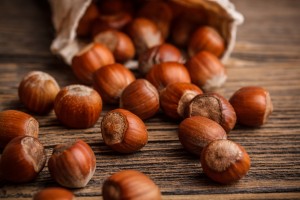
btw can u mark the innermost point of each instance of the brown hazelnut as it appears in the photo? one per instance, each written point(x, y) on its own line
point(111, 7)
point(78, 106)
point(175, 98)
point(206, 71)
point(89, 59)
point(196, 132)
point(130, 184)
point(85, 24)
point(37, 92)
point(117, 21)
point(160, 13)
point(54, 193)
point(118, 43)
point(158, 54)
point(123, 131)
point(166, 73)
point(144, 34)
point(73, 164)
point(111, 80)
point(206, 39)
point(15, 123)
point(214, 107)
point(252, 105)
point(225, 161)
point(141, 98)
point(22, 159)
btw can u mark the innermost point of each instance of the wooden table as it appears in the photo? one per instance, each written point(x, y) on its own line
point(267, 54)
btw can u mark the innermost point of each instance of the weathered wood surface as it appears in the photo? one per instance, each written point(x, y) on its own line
point(267, 54)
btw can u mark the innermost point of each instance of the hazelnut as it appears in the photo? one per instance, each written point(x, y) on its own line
point(160, 13)
point(158, 54)
point(111, 80)
point(176, 96)
point(123, 131)
point(130, 184)
point(196, 132)
point(225, 161)
point(89, 59)
point(116, 21)
point(214, 107)
point(78, 106)
point(141, 98)
point(54, 193)
point(206, 39)
point(206, 71)
point(118, 43)
point(144, 34)
point(37, 92)
point(15, 123)
point(111, 7)
point(73, 164)
point(22, 159)
point(166, 73)
point(85, 24)
point(252, 105)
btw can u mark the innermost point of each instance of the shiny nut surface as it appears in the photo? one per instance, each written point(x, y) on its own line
point(252, 104)
point(196, 132)
point(176, 97)
point(166, 73)
point(15, 123)
point(85, 24)
point(37, 91)
point(141, 98)
point(225, 161)
point(22, 159)
point(123, 131)
point(73, 164)
point(54, 193)
point(131, 185)
point(78, 106)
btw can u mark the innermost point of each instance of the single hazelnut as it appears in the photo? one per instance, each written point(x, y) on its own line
point(22, 159)
point(252, 105)
point(85, 24)
point(73, 164)
point(15, 123)
point(78, 106)
point(130, 184)
point(89, 59)
point(214, 107)
point(160, 13)
point(225, 161)
point(54, 193)
point(196, 132)
point(141, 98)
point(118, 43)
point(111, 80)
point(158, 54)
point(206, 39)
point(166, 73)
point(144, 34)
point(206, 71)
point(123, 131)
point(175, 98)
point(37, 92)
point(116, 21)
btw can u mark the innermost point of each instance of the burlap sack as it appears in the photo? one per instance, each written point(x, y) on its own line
point(67, 13)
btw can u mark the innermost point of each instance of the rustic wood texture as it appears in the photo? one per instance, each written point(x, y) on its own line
point(267, 54)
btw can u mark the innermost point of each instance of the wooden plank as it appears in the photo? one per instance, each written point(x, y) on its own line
point(267, 54)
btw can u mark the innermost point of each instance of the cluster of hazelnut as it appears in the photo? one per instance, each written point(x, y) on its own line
point(182, 90)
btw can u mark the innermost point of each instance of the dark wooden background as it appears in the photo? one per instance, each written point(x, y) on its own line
point(267, 54)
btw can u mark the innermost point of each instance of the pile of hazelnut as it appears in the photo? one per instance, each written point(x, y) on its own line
point(181, 84)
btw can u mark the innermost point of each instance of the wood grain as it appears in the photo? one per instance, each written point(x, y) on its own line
point(267, 54)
